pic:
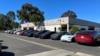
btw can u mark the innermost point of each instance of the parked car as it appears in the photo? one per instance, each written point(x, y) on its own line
point(22, 32)
point(57, 35)
point(12, 31)
point(36, 35)
point(27, 32)
point(87, 37)
point(7, 31)
point(69, 37)
point(18, 32)
point(46, 35)
point(15, 32)
point(31, 34)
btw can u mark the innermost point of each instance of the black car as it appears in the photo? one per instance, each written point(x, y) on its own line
point(36, 34)
point(26, 32)
point(46, 35)
point(57, 35)
point(31, 33)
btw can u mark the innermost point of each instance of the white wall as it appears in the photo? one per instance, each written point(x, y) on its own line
point(86, 27)
point(97, 28)
point(52, 27)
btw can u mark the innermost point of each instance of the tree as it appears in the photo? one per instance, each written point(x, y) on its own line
point(69, 13)
point(11, 15)
point(14, 24)
point(10, 18)
point(28, 13)
point(37, 19)
point(74, 28)
point(7, 20)
point(4, 22)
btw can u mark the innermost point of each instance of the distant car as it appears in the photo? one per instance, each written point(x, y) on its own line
point(18, 32)
point(7, 31)
point(87, 37)
point(15, 32)
point(69, 37)
point(57, 35)
point(46, 35)
point(12, 31)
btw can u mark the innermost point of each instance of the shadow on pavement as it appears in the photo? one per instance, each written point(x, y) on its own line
point(4, 47)
point(93, 45)
point(7, 54)
point(1, 40)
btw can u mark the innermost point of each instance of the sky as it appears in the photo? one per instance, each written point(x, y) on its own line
point(84, 9)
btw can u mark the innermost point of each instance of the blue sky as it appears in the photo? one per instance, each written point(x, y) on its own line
point(85, 9)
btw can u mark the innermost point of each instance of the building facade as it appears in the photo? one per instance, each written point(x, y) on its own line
point(65, 23)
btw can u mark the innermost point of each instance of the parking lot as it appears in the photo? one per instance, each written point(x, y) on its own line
point(15, 45)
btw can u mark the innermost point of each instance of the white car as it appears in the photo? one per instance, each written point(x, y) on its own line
point(69, 37)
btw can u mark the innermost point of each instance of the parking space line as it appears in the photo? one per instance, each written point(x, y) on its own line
point(47, 46)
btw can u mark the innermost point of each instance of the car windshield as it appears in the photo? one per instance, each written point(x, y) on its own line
point(69, 33)
point(85, 32)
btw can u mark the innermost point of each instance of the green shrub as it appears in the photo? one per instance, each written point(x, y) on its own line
point(74, 28)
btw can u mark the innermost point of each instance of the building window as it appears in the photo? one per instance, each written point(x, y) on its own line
point(25, 28)
point(91, 28)
point(31, 28)
point(83, 29)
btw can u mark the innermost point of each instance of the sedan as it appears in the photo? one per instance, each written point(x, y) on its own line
point(36, 34)
point(46, 35)
point(31, 34)
point(69, 37)
point(87, 37)
point(57, 35)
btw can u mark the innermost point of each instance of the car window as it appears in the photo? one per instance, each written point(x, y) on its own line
point(98, 35)
point(69, 33)
point(95, 34)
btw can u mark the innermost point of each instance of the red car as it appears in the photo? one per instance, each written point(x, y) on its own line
point(87, 37)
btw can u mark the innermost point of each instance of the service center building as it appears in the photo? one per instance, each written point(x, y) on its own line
point(65, 24)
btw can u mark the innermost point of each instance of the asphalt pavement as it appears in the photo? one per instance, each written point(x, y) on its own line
point(14, 45)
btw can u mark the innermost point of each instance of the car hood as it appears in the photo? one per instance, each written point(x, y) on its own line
point(67, 35)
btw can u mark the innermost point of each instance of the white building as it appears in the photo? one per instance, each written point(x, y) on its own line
point(65, 23)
